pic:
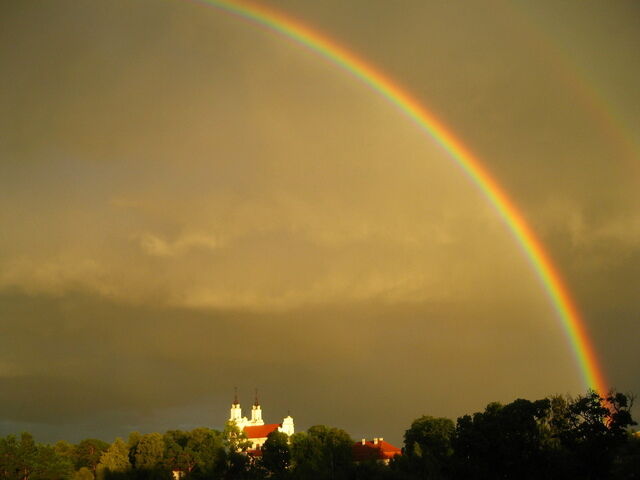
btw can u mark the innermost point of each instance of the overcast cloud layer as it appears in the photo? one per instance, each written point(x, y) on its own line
point(191, 203)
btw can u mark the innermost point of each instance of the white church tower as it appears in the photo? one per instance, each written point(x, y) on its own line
point(256, 412)
point(236, 411)
point(255, 428)
point(287, 426)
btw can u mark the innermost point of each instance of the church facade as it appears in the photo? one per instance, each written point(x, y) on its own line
point(254, 428)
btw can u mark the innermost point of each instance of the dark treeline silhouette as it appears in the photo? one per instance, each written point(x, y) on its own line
point(587, 437)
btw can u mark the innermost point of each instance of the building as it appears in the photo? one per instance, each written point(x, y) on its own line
point(254, 428)
point(376, 450)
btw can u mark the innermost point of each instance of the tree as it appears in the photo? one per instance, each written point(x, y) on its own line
point(503, 442)
point(50, 465)
point(321, 453)
point(197, 451)
point(88, 453)
point(114, 460)
point(208, 446)
point(626, 465)
point(586, 437)
point(25, 459)
point(178, 456)
point(235, 439)
point(65, 450)
point(9, 462)
point(149, 452)
point(83, 474)
point(26, 455)
point(132, 443)
point(276, 454)
point(428, 447)
point(235, 445)
point(591, 430)
point(372, 470)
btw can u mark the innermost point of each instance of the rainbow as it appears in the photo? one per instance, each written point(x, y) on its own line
point(573, 325)
point(570, 73)
point(593, 101)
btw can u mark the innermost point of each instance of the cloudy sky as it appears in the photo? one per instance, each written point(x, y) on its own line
point(190, 202)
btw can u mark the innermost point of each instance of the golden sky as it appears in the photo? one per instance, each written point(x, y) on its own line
point(191, 203)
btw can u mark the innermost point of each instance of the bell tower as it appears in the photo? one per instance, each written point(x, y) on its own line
point(256, 412)
point(236, 411)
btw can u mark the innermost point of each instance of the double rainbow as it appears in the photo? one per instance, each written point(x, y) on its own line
point(540, 261)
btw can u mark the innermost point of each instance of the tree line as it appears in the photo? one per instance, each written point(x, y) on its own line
point(586, 437)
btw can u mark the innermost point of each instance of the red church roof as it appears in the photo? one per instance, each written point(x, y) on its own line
point(377, 449)
point(260, 431)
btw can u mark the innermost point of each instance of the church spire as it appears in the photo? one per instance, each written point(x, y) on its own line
point(236, 412)
point(256, 412)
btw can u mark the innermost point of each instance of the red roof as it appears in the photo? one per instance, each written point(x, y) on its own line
point(368, 450)
point(260, 431)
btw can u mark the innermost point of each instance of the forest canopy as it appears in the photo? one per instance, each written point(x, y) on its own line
point(558, 437)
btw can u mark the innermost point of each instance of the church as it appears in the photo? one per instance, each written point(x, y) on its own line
point(255, 429)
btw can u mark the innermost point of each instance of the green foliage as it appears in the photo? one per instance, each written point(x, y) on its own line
point(626, 465)
point(24, 459)
point(322, 452)
point(179, 454)
point(550, 438)
point(114, 460)
point(586, 437)
point(209, 445)
point(428, 447)
point(236, 462)
point(65, 450)
point(197, 453)
point(591, 431)
point(235, 439)
point(88, 453)
point(503, 441)
point(50, 465)
point(27, 455)
point(132, 441)
point(377, 471)
point(8, 457)
point(276, 454)
point(83, 474)
point(148, 452)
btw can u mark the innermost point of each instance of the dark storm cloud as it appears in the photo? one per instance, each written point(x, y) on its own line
point(194, 203)
point(85, 361)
